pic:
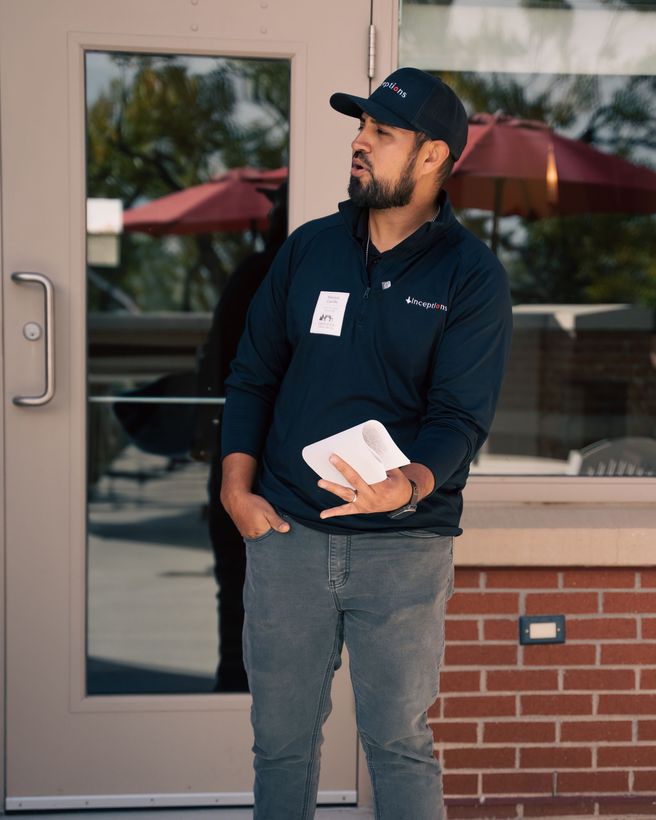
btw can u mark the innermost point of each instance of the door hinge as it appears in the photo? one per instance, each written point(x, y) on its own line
point(372, 52)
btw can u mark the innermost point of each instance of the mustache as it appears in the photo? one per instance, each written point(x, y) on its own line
point(359, 156)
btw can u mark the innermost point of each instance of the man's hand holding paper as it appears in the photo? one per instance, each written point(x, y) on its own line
point(381, 481)
point(386, 495)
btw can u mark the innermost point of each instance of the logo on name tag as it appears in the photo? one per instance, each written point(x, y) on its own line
point(329, 313)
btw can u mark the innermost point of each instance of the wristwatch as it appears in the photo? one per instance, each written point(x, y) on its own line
point(410, 507)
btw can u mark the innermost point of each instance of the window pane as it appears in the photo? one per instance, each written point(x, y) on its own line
point(186, 166)
point(571, 216)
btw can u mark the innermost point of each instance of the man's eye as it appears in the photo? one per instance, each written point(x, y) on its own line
point(380, 131)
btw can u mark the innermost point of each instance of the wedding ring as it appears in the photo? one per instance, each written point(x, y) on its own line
point(355, 497)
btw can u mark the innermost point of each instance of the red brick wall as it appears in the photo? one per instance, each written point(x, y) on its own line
point(528, 731)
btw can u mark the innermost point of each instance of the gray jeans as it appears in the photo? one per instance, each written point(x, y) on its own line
point(384, 594)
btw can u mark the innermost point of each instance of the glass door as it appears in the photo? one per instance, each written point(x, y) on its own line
point(153, 158)
point(187, 177)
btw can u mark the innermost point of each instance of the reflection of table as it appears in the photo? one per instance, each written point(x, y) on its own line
point(129, 350)
point(491, 464)
point(626, 456)
point(143, 346)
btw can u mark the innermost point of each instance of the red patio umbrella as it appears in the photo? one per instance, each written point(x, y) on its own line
point(522, 167)
point(230, 202)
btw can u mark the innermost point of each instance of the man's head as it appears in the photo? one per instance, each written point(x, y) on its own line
point(414, 100)
point(412, 129)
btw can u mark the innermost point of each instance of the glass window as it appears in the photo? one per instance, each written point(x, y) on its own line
point(559, 177)
point(187, 202)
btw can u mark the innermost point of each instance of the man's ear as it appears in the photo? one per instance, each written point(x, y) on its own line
point(436, 152)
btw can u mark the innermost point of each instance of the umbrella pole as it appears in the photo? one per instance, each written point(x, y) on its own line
point(498, 190)
point(494, 240)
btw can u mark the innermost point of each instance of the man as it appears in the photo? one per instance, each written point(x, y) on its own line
point(388, 310)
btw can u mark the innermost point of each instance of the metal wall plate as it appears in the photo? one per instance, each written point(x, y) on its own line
point(541, 629)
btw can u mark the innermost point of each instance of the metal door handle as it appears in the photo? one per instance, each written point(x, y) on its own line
point(49, 317)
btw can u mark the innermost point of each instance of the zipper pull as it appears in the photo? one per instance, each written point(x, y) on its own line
point(366, 293)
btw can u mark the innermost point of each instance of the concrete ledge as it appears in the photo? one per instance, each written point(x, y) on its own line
point(557, 535)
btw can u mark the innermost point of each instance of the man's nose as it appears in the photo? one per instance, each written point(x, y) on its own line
point(360, 143)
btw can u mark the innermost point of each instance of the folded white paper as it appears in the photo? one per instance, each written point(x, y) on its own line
point(367, 447)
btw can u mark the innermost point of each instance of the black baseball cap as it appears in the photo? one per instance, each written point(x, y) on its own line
point(412, 99)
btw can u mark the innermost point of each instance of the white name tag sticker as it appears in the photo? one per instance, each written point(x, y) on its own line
point(329, 313)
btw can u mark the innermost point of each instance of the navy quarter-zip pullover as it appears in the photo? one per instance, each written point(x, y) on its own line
point(422, 349)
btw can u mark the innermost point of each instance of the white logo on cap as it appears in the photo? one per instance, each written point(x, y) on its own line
point(395, 88)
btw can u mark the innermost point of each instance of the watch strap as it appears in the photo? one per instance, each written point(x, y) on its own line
point(410, 507)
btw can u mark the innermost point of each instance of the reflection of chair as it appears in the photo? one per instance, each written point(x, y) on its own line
point(629, 456)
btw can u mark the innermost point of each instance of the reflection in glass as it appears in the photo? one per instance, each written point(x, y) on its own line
point(579, 397)
point(529, 36)
point(151, 625)
point(577, 235)
point(191, 152)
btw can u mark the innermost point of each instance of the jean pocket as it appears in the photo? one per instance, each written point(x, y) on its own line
point(257, 538)
point(419, 533)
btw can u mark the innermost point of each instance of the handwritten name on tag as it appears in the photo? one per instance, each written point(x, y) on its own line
point(329, 313)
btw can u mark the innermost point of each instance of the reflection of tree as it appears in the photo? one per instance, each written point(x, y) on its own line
point(626, 124)
point(165, 123)
point(592, 257)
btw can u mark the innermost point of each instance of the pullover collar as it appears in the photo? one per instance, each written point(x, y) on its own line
point(356, 220)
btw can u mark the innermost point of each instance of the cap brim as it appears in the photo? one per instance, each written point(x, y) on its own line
point(354, 107)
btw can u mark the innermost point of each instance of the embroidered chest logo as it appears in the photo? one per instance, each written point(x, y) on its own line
point(427, 305)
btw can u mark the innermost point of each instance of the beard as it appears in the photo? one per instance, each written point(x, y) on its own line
point(378, 194)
